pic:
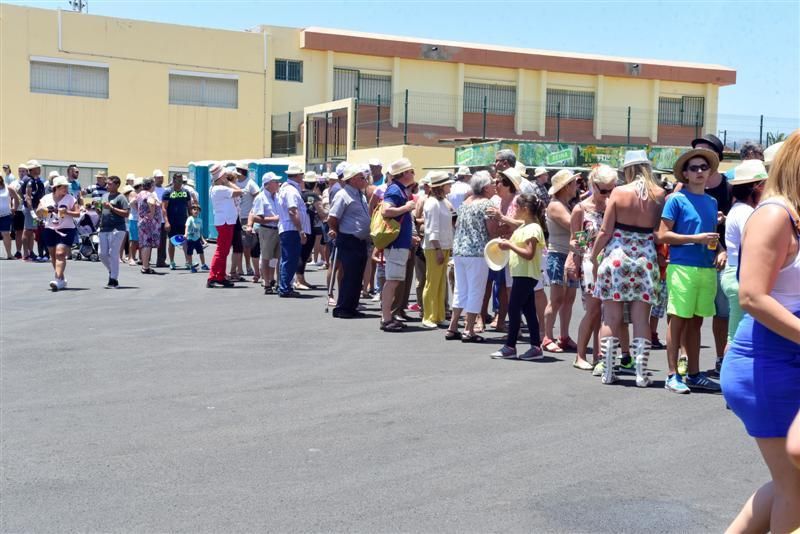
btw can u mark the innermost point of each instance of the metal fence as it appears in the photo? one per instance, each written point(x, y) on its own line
point(286, 133)
point(421, 118)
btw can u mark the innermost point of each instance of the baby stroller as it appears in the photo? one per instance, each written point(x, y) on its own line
point(88, 246)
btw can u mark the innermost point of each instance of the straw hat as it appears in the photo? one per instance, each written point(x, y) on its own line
point(59, 181)
point(513, 175)
point(750, 171)
point(439, 179)
point(495, 257)
point(102, 174)
point(463, 171)
point(635, 157)
point(52, 175)
point(521, 169)
point(375, 163)
point(126, 189)
point(352, 171)
point(216, 171)
point(709, 155)
point(138, 181)
point(32, 164)
point(130, 176)
point(561, 179)
point(539, 171)
point(771, 152)
point(400, 166)
point(310, 177)
point(157, 173)
point(340, 168)
point(294, 169)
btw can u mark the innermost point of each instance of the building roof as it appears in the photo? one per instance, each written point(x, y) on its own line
point(373, 44)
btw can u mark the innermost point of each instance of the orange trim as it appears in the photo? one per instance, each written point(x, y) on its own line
point(473, 54)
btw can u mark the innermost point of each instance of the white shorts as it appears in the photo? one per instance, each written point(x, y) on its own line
point(396, 262)
point(471, 273)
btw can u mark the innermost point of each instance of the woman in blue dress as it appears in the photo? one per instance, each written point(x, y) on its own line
point(761, 371)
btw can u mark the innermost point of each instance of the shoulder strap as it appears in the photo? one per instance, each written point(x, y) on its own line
point(794, 225)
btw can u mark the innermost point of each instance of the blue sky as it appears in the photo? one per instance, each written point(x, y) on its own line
point(760, 39)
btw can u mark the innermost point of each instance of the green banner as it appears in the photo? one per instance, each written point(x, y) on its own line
point(546, 154)
point(612, 156)
point(664, 157)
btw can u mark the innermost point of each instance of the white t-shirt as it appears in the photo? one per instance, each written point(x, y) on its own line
point(458, 192)
point(159, 191)
point(224, 207)
point(734, 226)
point(5, 202)
point(250, 191)
point(53, 221)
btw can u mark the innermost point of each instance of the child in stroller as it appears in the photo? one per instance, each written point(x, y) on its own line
point(88, 244)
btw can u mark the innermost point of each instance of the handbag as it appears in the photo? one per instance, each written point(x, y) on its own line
point(383, 231)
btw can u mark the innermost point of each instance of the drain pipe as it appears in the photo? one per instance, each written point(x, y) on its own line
point(60, 48)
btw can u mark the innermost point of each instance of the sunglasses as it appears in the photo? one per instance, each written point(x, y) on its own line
point(604, 191)
point(698, 168)
point(505, 181)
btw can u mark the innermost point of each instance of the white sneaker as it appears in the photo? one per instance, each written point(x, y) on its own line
point(62, 284)
point(376, 298)
point(54, 285)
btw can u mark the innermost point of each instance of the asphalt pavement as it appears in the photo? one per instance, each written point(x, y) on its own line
point(164, 406)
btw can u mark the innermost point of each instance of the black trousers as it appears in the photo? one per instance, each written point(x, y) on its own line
point(305, 253)
point(161, 253)
point(522, 302)
point(352, 253)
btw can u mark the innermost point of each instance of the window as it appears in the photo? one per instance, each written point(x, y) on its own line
point(681, 111)
point(570, 104)
point(351, 83)
point(500, 99)
point(291, 71)
point(58, 77)
point(215, 91)
point(86, 171)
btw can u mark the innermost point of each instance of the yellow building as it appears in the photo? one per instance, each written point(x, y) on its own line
point(131, 96)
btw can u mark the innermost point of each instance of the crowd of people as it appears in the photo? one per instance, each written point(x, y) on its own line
point(637, 247)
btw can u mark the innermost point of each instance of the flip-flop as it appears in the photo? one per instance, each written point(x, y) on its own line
point(551, 346)
point(474, 338)
point(452, 336)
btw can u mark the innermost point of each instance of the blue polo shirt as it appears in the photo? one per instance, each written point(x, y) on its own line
point(396, 196)
point(691, 214)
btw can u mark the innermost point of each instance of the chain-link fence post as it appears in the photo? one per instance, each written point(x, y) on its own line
point(558, 122)
point(405, 120)
point(378, 124)
point(355, 119)
point(288, 133)
point(697, 125)
point(483, 136)
point(629, 125)
point(761, 130)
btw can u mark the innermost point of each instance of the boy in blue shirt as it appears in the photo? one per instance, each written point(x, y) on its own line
point(688, 225)
point(194, 238)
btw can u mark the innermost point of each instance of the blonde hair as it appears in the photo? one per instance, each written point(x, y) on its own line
point(645, 173)
point(603, 174)
point(784, 174)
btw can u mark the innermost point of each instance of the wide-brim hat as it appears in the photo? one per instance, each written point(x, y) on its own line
point(32, 164)
point(400, 166)
point(340, 168)
point(709, 155)
point(138, 182)
point(190, 182)
point(561, 179)
point(22, 166)
point(157, 173)
point(52, 175)
point(216, 171)
point(101, 174)
point(771, 151)
point(748, 172)
point(439, 179)
point(310, 177)
point(521, 169)
point(58, 181)
point(539, 171)
point(496, 258)
point(635, 157)
point(463, 171)
point(351, 171)
point(126, 189)
point(294, 169)
point(375, 163)
point(513, 175)
point(130, 176)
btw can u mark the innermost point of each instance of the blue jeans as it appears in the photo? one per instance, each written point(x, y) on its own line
point(290, 255)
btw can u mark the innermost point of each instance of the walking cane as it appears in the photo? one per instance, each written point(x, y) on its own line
point(332, 278)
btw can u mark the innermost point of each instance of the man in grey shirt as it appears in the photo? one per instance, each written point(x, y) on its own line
point(349, 220)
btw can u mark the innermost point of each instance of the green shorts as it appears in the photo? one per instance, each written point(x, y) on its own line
point(692, 291)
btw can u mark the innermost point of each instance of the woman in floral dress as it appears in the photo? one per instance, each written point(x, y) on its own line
point(587, 218)
point(628, 269)
point(150, 217)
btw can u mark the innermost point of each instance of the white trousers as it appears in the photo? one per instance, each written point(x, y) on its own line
point(471, 275)
point(110, 243)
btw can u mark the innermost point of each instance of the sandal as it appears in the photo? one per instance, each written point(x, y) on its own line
point(583, 365)
point(451, 336)
point(567, 344)
point(391, 326)
point(500, 328)
point(474, 338)
point(148, 271)
point(551, 346)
